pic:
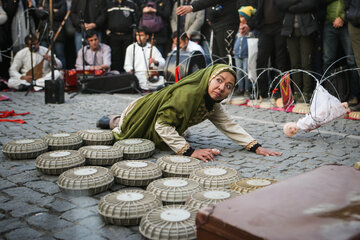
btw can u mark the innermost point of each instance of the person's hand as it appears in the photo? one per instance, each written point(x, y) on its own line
point(47, 57)
point(153, 61)
point(205, 154)
point(244, 29)
point(26, 78)
point(89, 26)
point(104, 67)
point(338, 22)
point(267, 152)
point(149, 10)
point(182, 10)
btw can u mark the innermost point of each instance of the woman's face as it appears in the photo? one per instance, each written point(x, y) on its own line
point(221, 86)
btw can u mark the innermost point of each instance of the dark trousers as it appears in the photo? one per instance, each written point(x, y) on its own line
point(300, 50)
point(224, 39)
point(270, 42)
point(118, 44)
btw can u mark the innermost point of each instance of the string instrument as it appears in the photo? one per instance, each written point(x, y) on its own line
point(39, 67)
point(153, 75)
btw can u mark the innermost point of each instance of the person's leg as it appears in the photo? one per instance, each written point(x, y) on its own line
point(246, 78)
point(330, 43)
point(78, 41)
point(306, 46)
point(264, 52)
point(115, 45)
point(293, 44)
point(348, 51)
point(354, 33)
point(15, 83)
point(59, 50)
point(239, 73)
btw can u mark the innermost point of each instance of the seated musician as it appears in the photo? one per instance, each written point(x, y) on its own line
point(97, 55)
point(20, 70)
point(186, 44)
point(144, 61)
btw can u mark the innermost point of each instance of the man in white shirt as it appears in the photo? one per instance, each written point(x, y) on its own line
point(19, 80)
point(138, 61)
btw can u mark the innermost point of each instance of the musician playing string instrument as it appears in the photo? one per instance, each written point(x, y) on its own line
point(97, 55)
point(21, 65)
point(141, 60)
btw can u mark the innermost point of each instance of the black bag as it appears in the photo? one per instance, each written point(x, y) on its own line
point(338, 83)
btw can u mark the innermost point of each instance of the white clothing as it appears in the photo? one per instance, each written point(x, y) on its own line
point(324, 108)
point(92, 58)
point(141, 64)
point(3, 16)
point(193, 46)
point(22, 64)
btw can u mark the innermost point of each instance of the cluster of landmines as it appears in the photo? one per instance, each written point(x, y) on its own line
point(182, 184)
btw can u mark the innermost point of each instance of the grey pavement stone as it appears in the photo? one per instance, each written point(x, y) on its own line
point(47, 221)
point(93, 222)
point(18, 208)
point(115, 232)
point(23, 233)
point(7, 225)
point(77, 214)
point(84, 201)
point(60, 205)
point(74, 232)
point(43, 186)
point(6, 184)
point(2, 216)
point(24, 177)
point(26, 194)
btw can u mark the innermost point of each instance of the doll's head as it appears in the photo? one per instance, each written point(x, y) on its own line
point(290, 129)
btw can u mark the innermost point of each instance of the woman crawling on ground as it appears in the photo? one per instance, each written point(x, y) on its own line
point(164, 116)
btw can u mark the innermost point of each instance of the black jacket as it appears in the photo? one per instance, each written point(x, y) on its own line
point(96, 14)
point(256, 22)
point(304, 9)
point(121, 16)
point(59, 12)
point(352, 12)
point(226, 15)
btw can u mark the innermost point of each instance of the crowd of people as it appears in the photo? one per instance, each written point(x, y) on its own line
point(136, 36)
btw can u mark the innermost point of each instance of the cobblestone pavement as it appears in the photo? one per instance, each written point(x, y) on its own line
point(33, 207)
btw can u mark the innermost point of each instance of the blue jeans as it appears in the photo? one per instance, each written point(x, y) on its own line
point(59, 50)
point(78, 42)
point(331, 38)
point(244, 83)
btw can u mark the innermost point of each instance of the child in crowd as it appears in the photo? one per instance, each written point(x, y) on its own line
point(241, 52)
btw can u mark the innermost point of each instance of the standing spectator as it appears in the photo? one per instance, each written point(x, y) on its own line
point(190, 23)
point(299, 27)
point(3, 19)
point(335, 34)
point(224, 20)
point(268, 22)
point(10, 8)
point(352, 8)
point(163, 9)
point(59, 12)
point(92, 12)
point(121, 20)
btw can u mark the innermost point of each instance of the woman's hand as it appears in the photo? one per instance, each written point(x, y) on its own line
point(205, 154)
point(267, 152)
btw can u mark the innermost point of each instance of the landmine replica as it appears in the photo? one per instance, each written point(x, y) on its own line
point(127, 207)
point(169, 222)
point(96, 137)
point(101, 155)
point(135, 172)
point(136, 148)
point(63, 141)
point(302, 108)
point(57, 162)
point(247, 185)
point(173, 190)
point(24, 148)
point(205, 198)
point(178, 166)
point(86, 180)
point(215, 177)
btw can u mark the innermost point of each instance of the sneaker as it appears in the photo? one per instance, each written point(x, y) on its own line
point(103, 123)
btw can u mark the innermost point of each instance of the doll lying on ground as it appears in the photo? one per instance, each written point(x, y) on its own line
point(324, 108)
